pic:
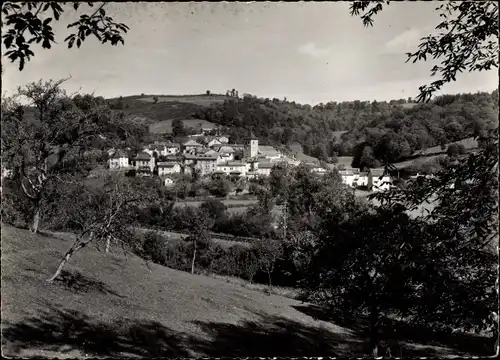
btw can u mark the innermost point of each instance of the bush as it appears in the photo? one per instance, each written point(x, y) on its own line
point(16, 208)
point(215, 209)
point(154, 247)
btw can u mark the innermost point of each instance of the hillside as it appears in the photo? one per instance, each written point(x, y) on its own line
point(370, 132)
point(144, 110)
point(117, 306)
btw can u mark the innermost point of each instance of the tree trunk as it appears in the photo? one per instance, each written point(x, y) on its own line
point(35, 223)
point(76, 246)
point(194, 257)
point(374, 340)
point(108, 243)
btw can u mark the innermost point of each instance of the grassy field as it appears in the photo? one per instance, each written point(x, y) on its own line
point(166, 125)
point(201, 100)
point(109, 305)
point(231, 202)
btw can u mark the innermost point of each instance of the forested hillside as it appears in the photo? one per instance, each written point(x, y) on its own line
point(374, 132)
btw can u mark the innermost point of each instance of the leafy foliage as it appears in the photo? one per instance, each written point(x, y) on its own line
point(25, 23)
point(53, 134)
point(391, 131)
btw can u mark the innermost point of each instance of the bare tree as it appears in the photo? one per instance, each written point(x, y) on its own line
point(97, 214)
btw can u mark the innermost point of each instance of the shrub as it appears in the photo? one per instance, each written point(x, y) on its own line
point(154, 247)
point(16, 208)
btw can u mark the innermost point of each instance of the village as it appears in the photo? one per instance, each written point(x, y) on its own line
point(214, 156)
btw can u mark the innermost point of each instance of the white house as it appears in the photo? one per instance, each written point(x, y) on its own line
point(362, 179)
point(316, 169)
point(119, 160)
point(191, 146)
point(378, 181)
point(166, 168)
point(144, 162)
point(347, 177)
point(238, 168)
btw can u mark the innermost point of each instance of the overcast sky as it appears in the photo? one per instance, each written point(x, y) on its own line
point(307, 52)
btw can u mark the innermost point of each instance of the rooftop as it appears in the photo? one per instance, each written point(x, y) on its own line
point(192, 143)
point(167, 164)
point(119, 154)
point(143, 156)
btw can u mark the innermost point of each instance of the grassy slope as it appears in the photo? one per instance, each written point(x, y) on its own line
point(109, 305)
point(159, 116)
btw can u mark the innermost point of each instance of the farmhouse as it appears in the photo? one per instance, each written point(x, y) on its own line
point(165, 168)
point(206, 164)
point(378, 181)
point(347, 177)
point(144, 161)
point(119, 160)
point(191, 147)
point(233, 168)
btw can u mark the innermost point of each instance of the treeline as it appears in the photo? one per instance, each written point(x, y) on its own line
point(375, 131)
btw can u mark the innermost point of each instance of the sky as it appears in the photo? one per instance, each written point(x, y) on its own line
point(307, 52)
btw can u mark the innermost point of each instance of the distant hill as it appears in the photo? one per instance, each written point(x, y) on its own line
point(169, 107)
point(165, 126)
point(392, 131)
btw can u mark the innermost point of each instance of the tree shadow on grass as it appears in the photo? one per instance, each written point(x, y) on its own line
point(399, 334)
point(79, 283)
point(273, 336)
point(64, 330)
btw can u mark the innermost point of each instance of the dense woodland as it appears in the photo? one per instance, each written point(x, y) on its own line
point(374, 133)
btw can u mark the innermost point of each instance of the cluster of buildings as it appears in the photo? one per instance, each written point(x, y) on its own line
point(374, 179)
point(215, 156)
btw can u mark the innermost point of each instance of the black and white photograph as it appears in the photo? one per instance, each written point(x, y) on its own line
point(249, 179)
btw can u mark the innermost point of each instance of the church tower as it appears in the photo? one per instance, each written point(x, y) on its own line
point(251, 146)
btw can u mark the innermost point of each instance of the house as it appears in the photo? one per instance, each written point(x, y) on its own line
point(316, 169)
point(168, 182)
point(265, 168)
point(154, 148)
point(206, 164)
point(252, 174)
point(119, 160)
point(378, 181)
point(191, 147)
point(347, 177)
point(166, 168)
point(212, 142)
point(362, 179)
point(270, 153)
point(238, 168)
point(142, 161)
point(172, 148)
